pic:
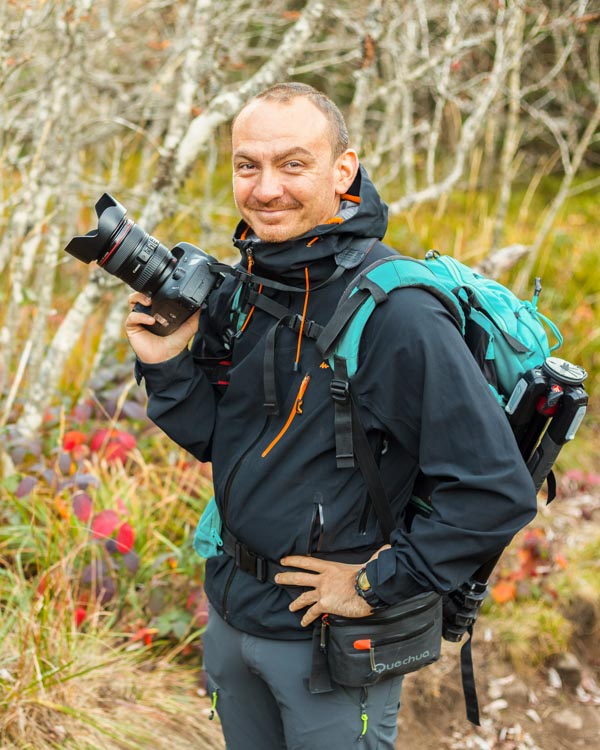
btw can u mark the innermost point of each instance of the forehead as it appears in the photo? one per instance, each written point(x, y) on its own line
point(270, 124)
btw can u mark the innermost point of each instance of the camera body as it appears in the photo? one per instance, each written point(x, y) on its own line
point(183, 291)
point(178, 281)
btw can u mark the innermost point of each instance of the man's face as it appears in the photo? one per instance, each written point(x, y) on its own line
point(285, 179)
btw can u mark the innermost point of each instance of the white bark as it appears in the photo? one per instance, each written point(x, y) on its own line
point(125, 97)
point(512, 135)
point(472, 125)
point(558, 201)
point(364, 77)
point(227, 104)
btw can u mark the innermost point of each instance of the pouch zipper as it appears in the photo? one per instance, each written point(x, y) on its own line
point(373, 619)
point(404, 637)
point(296, 409)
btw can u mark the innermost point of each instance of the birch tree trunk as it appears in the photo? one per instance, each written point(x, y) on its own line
point(133, 98)
point(220, 110)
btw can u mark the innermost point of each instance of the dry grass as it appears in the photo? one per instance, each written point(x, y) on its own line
point(103, 699)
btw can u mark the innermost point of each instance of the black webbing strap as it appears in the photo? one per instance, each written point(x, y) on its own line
point(340, 393)
point(354, 255)
point(250, 562)
point(468, 679)
point(319, 680)
point(310, 330)
point(551, 484)
point(379, 295)
point(370, 472)
point(252, 278)
point(339, 320)
point(267, 304)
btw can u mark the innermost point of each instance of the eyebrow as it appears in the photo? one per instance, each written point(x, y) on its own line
point(281, 156)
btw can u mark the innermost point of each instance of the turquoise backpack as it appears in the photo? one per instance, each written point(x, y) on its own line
point(506, 335)
point(513, 331)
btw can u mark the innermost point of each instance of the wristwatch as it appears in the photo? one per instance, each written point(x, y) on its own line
point(364, 590)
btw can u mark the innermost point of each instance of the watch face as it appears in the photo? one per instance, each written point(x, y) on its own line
point(362, 581)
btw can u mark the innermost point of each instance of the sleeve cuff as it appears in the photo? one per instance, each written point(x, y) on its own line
point(389, 583)
point(163, 374)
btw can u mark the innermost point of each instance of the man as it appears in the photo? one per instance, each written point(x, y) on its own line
point(267, 424)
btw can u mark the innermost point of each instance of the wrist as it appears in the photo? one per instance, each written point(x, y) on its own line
point(363, 588)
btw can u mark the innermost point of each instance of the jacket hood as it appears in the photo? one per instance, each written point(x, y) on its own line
point(363, 214)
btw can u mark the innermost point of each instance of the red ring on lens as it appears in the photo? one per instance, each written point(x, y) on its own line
point(124, 232)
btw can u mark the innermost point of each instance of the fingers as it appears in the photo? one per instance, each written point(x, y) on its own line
point(311, 615)
point(296, 578)
point(304, 600)
point(136, 297)
point(137, 318)
point(306, 563)
point(308, 599)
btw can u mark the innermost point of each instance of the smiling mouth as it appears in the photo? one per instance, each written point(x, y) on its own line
point(273, 210)
point(271, 214)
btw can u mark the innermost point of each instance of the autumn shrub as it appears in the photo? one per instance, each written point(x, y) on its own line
point(546, 586)
point(96, 562)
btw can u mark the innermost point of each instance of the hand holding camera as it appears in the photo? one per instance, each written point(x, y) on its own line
point(149, 347)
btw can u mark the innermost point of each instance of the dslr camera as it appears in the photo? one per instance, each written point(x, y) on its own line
point(178, 280)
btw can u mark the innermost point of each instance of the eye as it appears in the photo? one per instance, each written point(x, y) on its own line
point(293, 164)
point(245, 167)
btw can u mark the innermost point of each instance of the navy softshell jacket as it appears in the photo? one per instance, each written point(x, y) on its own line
point(422, 400)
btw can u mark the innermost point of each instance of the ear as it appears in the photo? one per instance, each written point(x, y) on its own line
point(346, 167)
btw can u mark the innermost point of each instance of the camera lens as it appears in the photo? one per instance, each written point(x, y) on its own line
point(138, 259)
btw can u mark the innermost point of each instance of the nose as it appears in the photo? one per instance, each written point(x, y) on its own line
point(268, 186)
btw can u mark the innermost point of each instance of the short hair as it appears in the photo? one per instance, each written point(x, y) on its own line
point(285, 92)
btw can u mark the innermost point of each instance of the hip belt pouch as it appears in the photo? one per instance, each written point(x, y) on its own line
point(395, 641)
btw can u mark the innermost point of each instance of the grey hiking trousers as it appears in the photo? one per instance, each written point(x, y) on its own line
point(259, 687)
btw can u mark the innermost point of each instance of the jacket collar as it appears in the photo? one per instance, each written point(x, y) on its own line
point(363, 214)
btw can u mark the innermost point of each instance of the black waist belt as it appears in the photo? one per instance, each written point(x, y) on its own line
point(256, 565)
point(264, 569)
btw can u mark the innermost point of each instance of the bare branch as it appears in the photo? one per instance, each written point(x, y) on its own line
point(472, 124)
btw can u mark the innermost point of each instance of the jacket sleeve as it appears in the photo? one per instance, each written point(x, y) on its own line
point(430, 396)
point(182, 395)
point(181, 401)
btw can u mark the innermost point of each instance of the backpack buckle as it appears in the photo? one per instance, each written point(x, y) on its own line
point(250, 562)
point(340, 390)
point(311, 328)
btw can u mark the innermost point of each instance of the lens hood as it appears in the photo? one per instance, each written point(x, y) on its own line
point(93, 245)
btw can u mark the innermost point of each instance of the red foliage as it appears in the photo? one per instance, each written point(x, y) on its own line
point(197, 604)
point(125, 538)
point(144, 634)
point(115, 444)
point(73, 438)
point(82, 506)
point(504, 591)
point(80, 614)
point(104, 523)
point(536, 559)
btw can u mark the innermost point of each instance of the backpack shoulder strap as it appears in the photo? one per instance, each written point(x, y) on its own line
point(342, 335)
point(339, 341)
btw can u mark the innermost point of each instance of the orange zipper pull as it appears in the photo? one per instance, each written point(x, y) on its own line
point(301, 392)
point(296, 409)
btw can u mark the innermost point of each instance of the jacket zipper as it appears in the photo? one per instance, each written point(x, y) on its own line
point(226, 492)
point(364, 516)
point(317, 527)
point(296, 409)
